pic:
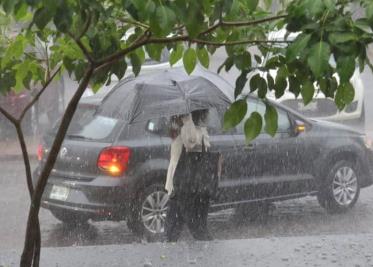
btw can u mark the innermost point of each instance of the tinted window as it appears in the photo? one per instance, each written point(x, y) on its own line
point(258, 106)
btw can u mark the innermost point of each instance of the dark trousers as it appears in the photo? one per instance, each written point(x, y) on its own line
point(189, 208)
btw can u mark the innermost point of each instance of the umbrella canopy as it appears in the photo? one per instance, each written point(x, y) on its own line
point(166, 93)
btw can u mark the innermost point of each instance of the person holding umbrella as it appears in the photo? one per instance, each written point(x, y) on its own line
point(191, 177)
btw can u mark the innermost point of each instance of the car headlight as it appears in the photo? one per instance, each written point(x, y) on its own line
point(368, 142)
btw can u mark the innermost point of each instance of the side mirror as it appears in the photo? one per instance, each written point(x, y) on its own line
point(299, 127)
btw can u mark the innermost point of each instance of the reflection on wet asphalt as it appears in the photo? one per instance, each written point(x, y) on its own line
point(289, 218)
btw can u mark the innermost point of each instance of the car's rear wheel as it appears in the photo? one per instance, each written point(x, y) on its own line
point(341, 189)
point(70, 218)
point(147, 216)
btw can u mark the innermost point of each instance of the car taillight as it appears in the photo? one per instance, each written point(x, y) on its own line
point(40, 152)
point(114, 160)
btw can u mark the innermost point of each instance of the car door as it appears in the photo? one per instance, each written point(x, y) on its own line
point(224, 143)
point(268, 165)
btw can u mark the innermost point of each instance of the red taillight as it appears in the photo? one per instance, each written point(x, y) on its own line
point(40, 152)
point(114, 160)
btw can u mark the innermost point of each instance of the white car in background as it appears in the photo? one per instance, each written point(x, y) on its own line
point(322, 107)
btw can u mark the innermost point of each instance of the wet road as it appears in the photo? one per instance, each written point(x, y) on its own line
point(291, 218)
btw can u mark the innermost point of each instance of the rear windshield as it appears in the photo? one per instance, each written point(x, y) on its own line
point(88, 124)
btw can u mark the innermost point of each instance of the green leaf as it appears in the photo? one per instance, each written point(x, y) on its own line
point(345, 94)
point(42, 17)
point(345, 68)
point(270, 118)
point(342, 37)
point(243, 61)
point(254, 81)
point(14, 51)
point(176, 54)
point(154, 51)
point(194, 21)
point(330, 4)
point(203, 57)
point(189, 60)
point(21, 11)
point(270, 81)
point(281, 82)
point(22, 70)
point(294, 85)
point(314, 7)
point(235, 114)
point(307, 92)
point(297, 48)
point(253, 126)
point(166, 18)
point(136, 63)
point(369, 10)
point(240, 84)
point(63, 19)
point(7, 81)
point(119, 68)
point(363, 25)
point(258, 83)
point(262, 88)
point(252, 4)
point(163, 20)
point(318, 59)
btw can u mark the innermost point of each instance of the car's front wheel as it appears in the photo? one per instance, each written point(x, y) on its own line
point(147, 216)
point(341, 189)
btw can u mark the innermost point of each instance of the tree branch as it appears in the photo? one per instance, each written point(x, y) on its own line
point(134, 22)
point(8, 116)
point(206, 42)
point(221, 23)
point(252, 22)
point(28, 251)
point(37, 96)
point(86, 26)
point(140, 41)
point(82, 47)
point(78, 41)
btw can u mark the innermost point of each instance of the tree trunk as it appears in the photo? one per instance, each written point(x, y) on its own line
point(31, 234)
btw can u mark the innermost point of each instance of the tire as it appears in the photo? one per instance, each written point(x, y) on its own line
point(148, 212)
point(251, 212)
point(69, 218)
point(341, 189)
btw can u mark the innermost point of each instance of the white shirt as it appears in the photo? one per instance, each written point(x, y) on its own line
point(191, 137)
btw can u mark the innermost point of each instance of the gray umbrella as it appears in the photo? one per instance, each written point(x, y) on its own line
point(166, 93)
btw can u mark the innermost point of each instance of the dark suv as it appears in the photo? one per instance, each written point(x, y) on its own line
point(110, 170)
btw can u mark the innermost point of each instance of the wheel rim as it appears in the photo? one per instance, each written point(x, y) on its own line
point(345, 186)
point(153, 212)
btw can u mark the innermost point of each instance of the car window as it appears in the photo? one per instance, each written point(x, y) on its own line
point(90, 125)
point(258, 106)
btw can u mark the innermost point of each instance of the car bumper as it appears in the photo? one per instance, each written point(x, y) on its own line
point(366, 168)
point(103, 198)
